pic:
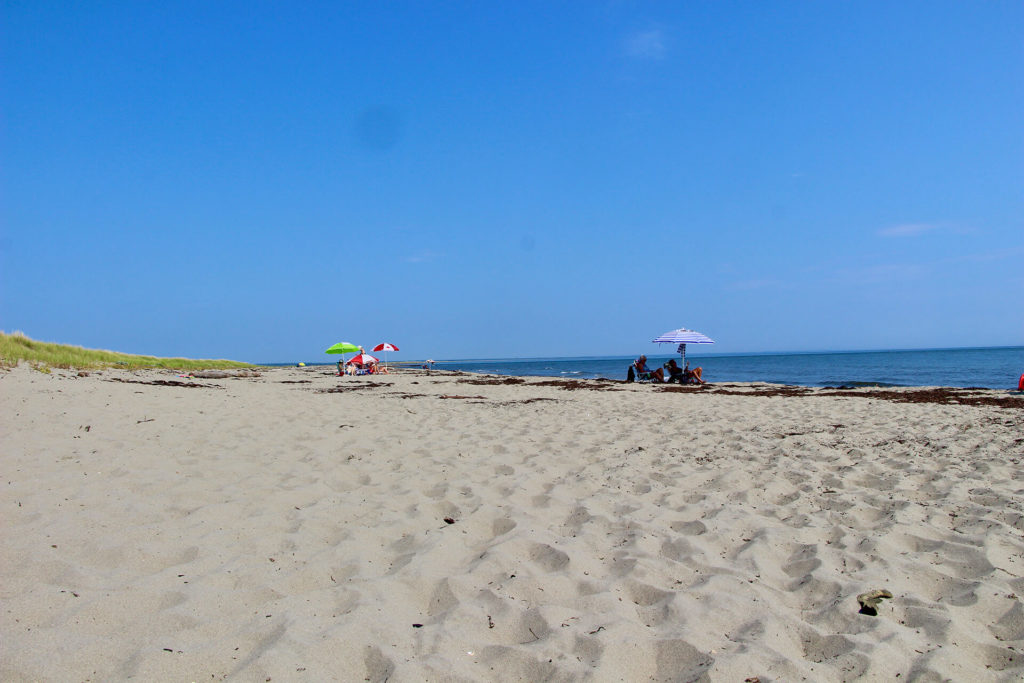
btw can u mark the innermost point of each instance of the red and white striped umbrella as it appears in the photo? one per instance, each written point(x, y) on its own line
point(362, 359)
point(385, 347)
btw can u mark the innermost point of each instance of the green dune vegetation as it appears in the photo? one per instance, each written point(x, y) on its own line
point(16, 347)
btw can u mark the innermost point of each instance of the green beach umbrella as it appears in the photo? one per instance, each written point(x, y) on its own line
point(343, 348)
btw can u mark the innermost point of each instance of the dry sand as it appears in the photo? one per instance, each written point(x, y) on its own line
point(460, 528)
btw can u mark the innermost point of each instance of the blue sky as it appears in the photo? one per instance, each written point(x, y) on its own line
point(258, 181)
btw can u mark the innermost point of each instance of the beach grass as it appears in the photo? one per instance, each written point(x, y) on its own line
point(16, 347)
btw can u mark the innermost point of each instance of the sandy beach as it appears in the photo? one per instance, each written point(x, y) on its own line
point(291, 525)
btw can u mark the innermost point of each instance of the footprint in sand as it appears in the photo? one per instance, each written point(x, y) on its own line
point(548, 558)
point(802, 561)
point(502, 526)
point(577, 518)
point(694, 528)
point(379, 668)
point(819, 648)
point(678, 660)
point(934, 621)
point(646, 595)
point(677, 549)
point(442, 599)
point(588, 650)
point(437, 491)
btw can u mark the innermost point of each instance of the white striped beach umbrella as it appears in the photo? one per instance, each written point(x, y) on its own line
point(683, 336)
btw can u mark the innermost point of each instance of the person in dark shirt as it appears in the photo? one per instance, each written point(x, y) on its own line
point(675, 373)
point(684, 375)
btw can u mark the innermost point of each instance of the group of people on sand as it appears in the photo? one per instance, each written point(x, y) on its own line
point(356, 368)
point(362, 368)
point(682, 375)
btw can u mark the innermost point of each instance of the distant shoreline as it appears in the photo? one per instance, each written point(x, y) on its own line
point(691, 350)
point(993, 367)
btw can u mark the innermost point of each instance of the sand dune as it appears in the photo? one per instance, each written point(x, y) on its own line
point(300, 526)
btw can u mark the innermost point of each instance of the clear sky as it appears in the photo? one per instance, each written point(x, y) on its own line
point(259, 180)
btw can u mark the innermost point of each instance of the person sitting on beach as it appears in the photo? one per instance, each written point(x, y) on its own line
point(675, 373)
point(693, 376)
point(341, 368)
point(683, 375)
point(641, 369)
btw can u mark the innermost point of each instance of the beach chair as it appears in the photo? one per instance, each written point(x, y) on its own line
point(633, 376)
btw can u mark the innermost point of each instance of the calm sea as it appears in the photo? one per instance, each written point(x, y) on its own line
point(994, 368)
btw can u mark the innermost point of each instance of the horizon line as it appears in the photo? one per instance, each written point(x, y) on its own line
point(707, 355)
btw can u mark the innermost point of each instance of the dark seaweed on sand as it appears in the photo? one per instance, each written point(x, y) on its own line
point(944, 395)
point(492, 380)
point(939, 395)
point(574, 384)
point(757, 391)
point(165, 383)
point(524, 401)
point(353, 387)
point(566, 384)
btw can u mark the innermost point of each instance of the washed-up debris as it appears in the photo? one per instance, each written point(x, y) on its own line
point(869, 601)
point(576, 384)
point(221, 374)
point(491, 380)
point(166, 383)
point(940, 395)
point(351, 387)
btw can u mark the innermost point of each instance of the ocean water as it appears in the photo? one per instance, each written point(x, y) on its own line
point(993, 368)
